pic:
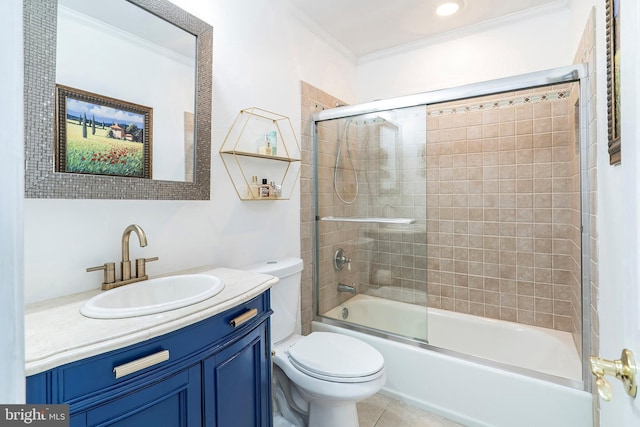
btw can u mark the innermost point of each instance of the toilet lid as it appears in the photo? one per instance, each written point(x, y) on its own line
point(336, 356)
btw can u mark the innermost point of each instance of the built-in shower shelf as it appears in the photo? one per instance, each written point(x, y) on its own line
point(369, 220)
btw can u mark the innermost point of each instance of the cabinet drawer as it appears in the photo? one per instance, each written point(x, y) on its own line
point(170, 402)
point(243, 316)
point(95, 376)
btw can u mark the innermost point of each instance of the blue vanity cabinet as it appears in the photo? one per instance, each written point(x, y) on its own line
point(237, 384)
point(171, 401)
point(216, 375)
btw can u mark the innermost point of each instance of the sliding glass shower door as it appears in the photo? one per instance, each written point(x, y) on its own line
point(470, 202)
point(371, 228)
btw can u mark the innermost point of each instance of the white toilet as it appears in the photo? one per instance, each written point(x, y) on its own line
point(318, 378)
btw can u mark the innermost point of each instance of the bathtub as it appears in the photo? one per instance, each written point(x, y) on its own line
point(476, 371)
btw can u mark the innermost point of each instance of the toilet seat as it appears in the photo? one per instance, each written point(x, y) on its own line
point(336, 358)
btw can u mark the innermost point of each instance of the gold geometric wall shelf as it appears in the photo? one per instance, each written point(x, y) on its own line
point(261, 144)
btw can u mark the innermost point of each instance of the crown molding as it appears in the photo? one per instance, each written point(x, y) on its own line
point(316, 29)
point(553, 7)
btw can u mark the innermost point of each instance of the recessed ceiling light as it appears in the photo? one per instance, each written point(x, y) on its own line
point(448, 8)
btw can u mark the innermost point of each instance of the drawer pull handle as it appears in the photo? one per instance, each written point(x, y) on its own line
point(137, 365)
point(247, 315)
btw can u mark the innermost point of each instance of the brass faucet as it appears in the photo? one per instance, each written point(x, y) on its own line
point(125, 266)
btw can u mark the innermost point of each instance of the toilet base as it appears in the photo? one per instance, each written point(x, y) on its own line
point(316, 402)
point(343, 415)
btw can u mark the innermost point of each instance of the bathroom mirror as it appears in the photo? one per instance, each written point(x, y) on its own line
point(147, 52)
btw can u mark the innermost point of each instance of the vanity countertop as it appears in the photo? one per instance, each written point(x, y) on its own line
point(56, 333)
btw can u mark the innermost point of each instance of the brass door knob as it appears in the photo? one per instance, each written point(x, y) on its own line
point(623, 369)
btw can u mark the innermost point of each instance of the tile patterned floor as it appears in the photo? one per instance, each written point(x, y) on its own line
point(381, 411)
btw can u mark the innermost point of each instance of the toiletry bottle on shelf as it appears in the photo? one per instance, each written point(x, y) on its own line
point(266, 150)
point(264, 189)
point(254, 188)
point(272, 137)
point(273, 190)
point(277, 188)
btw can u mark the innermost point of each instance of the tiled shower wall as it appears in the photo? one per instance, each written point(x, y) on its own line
point(586, 54)
point(500, 208)
point(335, 235)
point(503, 207)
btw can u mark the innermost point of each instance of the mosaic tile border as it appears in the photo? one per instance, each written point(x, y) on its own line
point(502, 103)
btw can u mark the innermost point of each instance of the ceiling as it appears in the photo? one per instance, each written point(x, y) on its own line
point(364, 27)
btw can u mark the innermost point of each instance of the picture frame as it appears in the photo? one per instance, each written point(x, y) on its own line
point(100, 135)
point(613, 80)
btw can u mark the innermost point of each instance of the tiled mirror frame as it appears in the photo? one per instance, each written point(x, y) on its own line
point(41, 181)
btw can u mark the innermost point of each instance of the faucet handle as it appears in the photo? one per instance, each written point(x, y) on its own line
point(340, 259)
point(141, 269)
point(109, 271)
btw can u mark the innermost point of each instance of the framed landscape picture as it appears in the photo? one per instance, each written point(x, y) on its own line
point(99, 135)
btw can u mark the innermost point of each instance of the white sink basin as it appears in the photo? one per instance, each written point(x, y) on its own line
point(152, 296)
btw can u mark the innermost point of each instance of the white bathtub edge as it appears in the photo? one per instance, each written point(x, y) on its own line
point(474, 394)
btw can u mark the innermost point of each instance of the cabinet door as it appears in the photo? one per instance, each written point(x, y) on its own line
point(174, 401)
point(237, 383)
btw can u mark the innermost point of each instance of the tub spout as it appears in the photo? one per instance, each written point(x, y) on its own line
point(346, 288)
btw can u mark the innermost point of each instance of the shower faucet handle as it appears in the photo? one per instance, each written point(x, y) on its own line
point(340, 259)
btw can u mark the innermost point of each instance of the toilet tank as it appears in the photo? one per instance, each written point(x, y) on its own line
point(285, 295)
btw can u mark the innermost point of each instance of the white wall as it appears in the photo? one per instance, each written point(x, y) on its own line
point(11, 192)
point(261, 52)
point(619, 220)
point(528, 44)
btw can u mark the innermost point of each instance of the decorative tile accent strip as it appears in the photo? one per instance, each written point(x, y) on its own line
point(500, 103)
